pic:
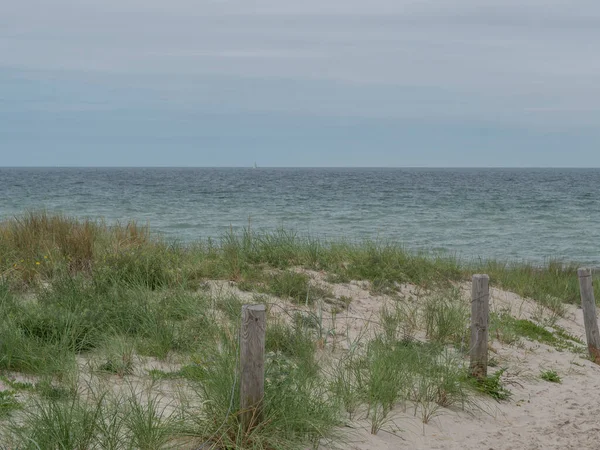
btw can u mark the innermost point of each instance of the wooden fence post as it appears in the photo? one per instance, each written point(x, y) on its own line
point(588, 304)
point(480, 300)
point(252, 364)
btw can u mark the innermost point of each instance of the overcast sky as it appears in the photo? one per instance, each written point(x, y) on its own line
point(303, 83)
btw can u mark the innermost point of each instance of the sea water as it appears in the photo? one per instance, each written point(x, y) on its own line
point(506, 214)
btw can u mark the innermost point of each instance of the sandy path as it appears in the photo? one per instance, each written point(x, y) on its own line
point(540, 415)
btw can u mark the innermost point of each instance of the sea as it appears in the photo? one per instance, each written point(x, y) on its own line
point(512, 215)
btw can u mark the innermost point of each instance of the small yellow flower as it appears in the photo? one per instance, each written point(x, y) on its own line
point(45, 257)
point(37, 263)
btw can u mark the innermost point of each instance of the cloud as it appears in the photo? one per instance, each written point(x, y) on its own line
point(526, 63)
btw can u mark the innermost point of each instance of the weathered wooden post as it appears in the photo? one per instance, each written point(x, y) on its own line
point(588, 304)
point(252, 364)
point(480, 306)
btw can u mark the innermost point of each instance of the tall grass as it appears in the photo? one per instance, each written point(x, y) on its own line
point(447, 317)
point(39, 247)
point(550, 285)
point(59, 424)
point(298, 407)
point(74, 316)
point(400, 372)
point(74, 290)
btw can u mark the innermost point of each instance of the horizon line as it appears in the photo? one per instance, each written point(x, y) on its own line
point(298, 167)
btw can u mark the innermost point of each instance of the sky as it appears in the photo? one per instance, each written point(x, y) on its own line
point(385, 83)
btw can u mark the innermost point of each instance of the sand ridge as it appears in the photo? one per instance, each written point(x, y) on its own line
point(539, 415)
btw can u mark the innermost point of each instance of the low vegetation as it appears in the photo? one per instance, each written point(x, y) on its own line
point(492, 385)
point(509, 330)
point(111, 338)
point(550, 376)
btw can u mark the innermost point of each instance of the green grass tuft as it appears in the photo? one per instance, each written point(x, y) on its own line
point(492, 385)
point(446, 317)
point(550, 376)
point(8, 403)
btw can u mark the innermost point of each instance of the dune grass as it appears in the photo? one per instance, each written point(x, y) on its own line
point(82, 302)
point(39, 247)
point(552, 285)
point(551, 376)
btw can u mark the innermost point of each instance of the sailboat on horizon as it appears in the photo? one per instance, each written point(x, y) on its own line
point(255, 166)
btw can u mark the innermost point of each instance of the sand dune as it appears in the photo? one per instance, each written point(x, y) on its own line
point(539, 415)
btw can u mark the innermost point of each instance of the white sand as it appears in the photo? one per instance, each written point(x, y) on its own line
point(539, 415)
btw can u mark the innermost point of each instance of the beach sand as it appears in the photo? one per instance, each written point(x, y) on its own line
point(539, 414)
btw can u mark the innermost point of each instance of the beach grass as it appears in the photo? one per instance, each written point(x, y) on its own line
point(40, 247)
point(111, 337)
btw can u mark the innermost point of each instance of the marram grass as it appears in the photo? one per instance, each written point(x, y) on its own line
point(38, 248)
point(83, 304)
